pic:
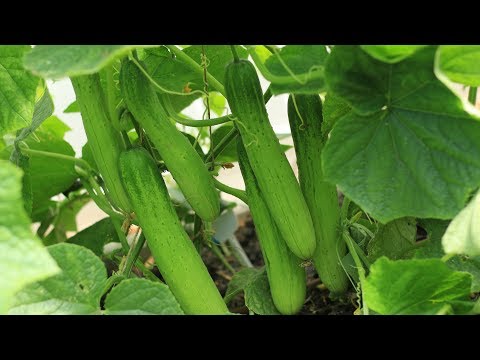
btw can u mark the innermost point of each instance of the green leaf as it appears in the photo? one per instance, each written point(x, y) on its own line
point(59, 61)
point(175, 75)
point(66, 218)
point(96, 236)
point(459, 63)
point(391, 53)
point(334, 107)
point(43, 109)
point(17, 89)
point(463, 233)
point(72, 108)
point(254, 283)
point(417, 286)
point(408, 148)
point(87, 155)
point(432, 248)
point(50, 176)
point(217, 103)
point(76, 290)
point(141, 297)
point(395, 240)
point(296, 69)
point(23, 259)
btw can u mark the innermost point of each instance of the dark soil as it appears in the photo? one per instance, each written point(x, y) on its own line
point(317, 300)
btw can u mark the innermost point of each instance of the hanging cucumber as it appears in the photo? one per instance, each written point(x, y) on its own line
point(274, 175)
point(105, 142)
point(305, 116)
point(181, 159)
point(177, 259)
point(285, 275)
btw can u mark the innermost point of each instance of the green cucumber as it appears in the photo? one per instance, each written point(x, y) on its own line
point(181, 159)
point(305, 117)
point(105, 142)
point(175, 255)
point(285, 273)
point(274, 175)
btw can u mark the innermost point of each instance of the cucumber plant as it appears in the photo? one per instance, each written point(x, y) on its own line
point(381, 219)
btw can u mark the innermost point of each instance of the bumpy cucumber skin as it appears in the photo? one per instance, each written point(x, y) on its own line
point(285, 273)
point(105, 142)
point(274, 175)
point(321, 197)
point(183, 162)
point(177, 259)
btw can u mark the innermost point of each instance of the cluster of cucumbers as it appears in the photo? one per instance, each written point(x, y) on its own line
point(295, 221)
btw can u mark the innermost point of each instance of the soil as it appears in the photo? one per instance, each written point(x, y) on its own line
point(317, 300)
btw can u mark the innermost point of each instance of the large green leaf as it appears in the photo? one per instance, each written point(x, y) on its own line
point(459, 63)
point(176, 76)
point(43, 109)
point(76, 290)
point(17, 89)
point(50, 176)
point(59, 61)
point(463, 233)
point(295, 69)
point(23, 259)
point(334, 107)
point(391, 53)
point(96, 236)
point(432, 248)
point(395, 240)
point(408, 148)
point(254, 284)
point(141, 297)
point(417, 286)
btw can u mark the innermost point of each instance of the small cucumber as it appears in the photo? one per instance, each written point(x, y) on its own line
point(274, 175)
point(284, 271)
point(181, 159)
point(105, 142)
point(305, 117)
point(176, 257)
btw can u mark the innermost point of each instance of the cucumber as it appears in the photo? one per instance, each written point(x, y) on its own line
point(305, 117)
point(274, 175)
point(181, 159)
point(175, 255)
point(105, 142)
point(285, 274)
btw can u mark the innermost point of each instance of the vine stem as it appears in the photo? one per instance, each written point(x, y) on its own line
point(472, 95)
point(117, 223)
point(284, 80)
point(240, 194)
point(79, 162)
point(358, 263)
point(196, 67)
point(133, 253)
point(236, 58)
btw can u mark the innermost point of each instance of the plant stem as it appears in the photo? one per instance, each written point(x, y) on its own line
point(472, 95)
point(358, 263)
point(234, 53)
point(216, 251)
point(196, 67)
point(121, 235)
point(240, 194)
point(133, 254)
point(190, 122)
point(79, 162)
point(284, 80)
point(111, 281)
